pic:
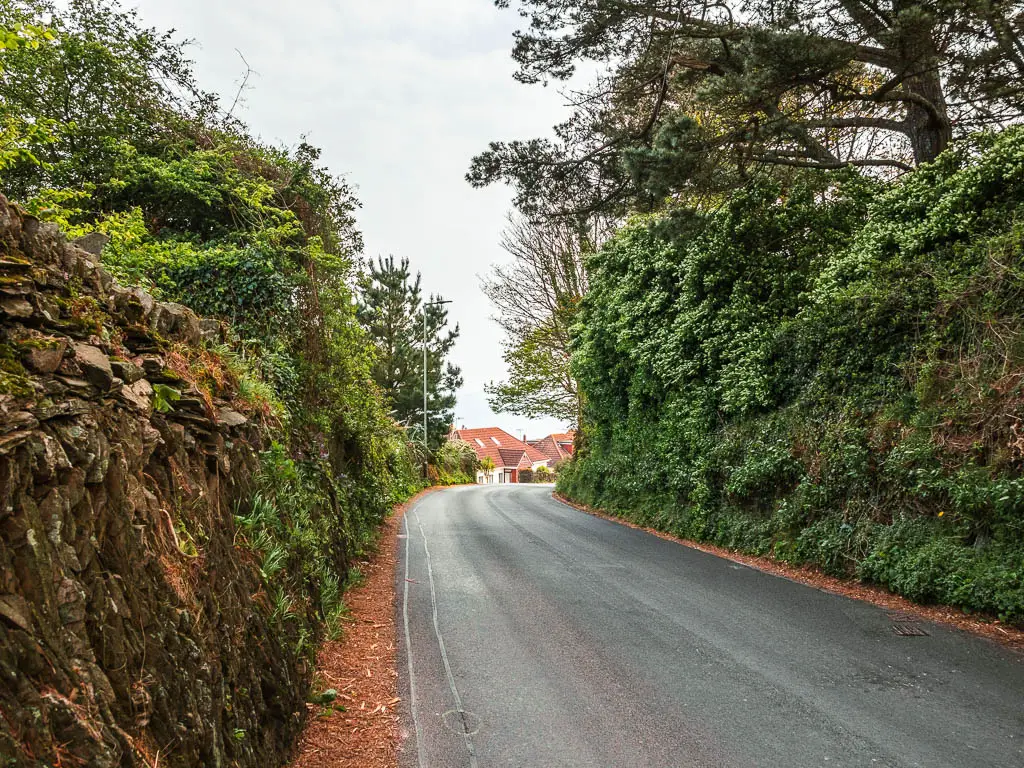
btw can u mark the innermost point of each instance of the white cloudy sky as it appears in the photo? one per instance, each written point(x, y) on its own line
point(400, 94)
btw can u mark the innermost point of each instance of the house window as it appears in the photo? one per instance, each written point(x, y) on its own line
point(496, 441)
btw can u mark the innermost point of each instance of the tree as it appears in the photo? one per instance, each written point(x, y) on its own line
point(18, 135)
point(105, 80)
point(457, 457)
point(703, 94)
point(538, 381)
point(205, 215)
point(536, 298)
point(391, 310)
point(487, 464)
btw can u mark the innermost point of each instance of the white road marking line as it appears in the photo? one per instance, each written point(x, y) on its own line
point(444, 654)
point(408, 648)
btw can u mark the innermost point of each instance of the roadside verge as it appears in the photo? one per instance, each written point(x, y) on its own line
point(359, 728)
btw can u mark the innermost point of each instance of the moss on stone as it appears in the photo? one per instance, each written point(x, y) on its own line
point(82, 313)
point(170, 375)
point(40, 342)
point(14, 380)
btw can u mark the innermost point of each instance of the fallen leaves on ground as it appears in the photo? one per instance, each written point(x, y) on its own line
point(360, 728)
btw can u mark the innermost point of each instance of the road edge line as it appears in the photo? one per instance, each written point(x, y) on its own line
point(467, 738)
point(408, 645)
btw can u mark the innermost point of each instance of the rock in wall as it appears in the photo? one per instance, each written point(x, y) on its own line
point(132, 630)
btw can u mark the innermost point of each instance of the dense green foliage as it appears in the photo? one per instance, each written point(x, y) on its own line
point(541, 475)
point(455, 463)
point(17, 134)
point(807, 340)
point(396, 318)
point(201, 213)
point(307, 532)
point(830, 371)
point(105, 80)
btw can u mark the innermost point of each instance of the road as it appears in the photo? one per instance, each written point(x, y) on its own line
point(532, 634)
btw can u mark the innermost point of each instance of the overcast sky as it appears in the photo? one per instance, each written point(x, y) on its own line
point(400, 94)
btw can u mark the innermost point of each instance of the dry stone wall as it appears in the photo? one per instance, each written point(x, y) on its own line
point(133, 630)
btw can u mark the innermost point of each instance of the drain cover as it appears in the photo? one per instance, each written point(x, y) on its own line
point(908, 629)
point(905, 624)
point(461, 722)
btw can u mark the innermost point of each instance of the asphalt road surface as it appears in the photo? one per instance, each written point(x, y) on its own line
point(532, 634)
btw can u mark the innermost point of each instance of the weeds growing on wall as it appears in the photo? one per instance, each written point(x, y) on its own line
point(306, 542)
point(198, 211)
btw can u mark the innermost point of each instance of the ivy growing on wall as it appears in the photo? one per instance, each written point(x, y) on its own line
point(829, 370)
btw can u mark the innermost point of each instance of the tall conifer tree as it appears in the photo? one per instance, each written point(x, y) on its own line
point(391, 310)
point(700, 96)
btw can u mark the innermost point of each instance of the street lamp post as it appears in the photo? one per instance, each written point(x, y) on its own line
point(425, 305)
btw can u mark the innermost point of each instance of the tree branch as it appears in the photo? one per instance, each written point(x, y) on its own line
point(865, 54)
point(774, 158)
point(882, 123)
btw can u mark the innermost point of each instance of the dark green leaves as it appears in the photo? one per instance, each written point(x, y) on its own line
point(698, 97)
point(829, 371)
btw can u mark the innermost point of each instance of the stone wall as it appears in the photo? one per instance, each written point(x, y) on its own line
point(132, 630)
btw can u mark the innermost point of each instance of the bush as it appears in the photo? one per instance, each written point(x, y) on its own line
point(830, 371)
point(457, 458)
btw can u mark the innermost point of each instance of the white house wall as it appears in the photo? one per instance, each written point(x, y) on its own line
point(487, 478)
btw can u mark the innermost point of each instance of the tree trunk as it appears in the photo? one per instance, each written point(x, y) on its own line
point(927, 120)
point(928, 125)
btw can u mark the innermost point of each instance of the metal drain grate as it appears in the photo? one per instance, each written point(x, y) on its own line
point(905, 624)
point(908, 629)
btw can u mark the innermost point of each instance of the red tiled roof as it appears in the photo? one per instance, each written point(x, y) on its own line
point(515, 457)
point(556, 447)
point(500, 446)
point(551, 449)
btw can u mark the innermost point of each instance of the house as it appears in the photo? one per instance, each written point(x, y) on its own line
point(509, 454)
point(557, 447)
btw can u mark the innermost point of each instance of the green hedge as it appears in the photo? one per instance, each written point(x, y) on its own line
point(830, 372)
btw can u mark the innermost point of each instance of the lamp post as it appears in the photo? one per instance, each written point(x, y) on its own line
point(425, 305)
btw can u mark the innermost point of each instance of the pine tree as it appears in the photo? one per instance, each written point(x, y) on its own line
point(391, 310)
point(702, 95)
